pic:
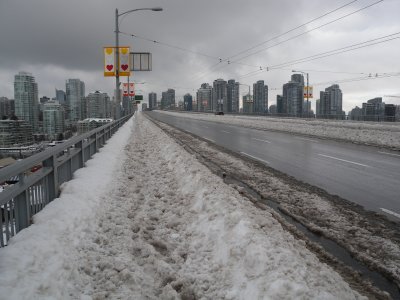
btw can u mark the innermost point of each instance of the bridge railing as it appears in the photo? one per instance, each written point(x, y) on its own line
point(40, 176)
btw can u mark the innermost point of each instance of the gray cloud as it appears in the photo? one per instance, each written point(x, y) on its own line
point(57, 40)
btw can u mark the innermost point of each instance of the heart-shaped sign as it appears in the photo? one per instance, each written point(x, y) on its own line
point(109, 50)
point(124, 67)
point(124, 50)
point(109, 67)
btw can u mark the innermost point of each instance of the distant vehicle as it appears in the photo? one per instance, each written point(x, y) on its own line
point(219, 113)
point(35, 168)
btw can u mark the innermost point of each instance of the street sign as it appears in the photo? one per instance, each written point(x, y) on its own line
point(138, 97)
point(140, 61)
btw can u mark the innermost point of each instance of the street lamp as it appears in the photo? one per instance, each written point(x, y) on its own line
point(308, 94)
point(117, 82)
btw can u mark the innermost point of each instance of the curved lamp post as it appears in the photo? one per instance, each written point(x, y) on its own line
point(117, 82)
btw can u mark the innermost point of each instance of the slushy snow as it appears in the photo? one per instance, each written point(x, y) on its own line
point(146, 220)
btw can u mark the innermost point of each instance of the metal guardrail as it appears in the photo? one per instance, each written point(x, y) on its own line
point(34, 190)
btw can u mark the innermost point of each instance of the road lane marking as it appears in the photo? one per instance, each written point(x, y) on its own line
point(348, 161)
point(265, 141)
point(256, 158)
point(391, 212)
point(387, 153)
point(304, 139)
point(226, 131)
point(210, 140)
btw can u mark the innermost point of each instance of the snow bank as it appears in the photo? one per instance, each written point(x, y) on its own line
point(37, 262)
point(151, 222)
point(378, 134)
point(174, 230)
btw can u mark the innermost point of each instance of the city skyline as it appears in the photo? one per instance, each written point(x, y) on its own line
point(60, 48)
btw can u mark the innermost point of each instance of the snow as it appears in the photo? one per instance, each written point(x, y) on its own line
point(146, 220)
point(384, 134)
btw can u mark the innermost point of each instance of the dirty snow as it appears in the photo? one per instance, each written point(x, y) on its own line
point(369, 133)
point(146, 220)
point(370, 238)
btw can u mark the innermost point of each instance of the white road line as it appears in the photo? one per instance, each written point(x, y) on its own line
point(391, 212)
point(304, 139)
point(256, 158)
point(387, 153)
point(226, 131)
point(348, 161)
point(210, 140)
point(265, 141)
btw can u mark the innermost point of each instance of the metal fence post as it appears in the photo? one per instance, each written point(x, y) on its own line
point(52, 183)
point(81, 155)
point(22, 208)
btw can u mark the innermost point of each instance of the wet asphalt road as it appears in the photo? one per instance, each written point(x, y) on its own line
point(366, 175)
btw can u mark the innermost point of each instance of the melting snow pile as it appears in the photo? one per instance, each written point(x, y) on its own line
point(369, 133)
point(145, 220)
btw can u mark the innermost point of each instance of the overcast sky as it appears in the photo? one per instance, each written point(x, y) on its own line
point(57, 40)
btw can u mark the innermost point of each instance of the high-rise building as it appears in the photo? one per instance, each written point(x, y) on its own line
point(44, 99)
point(188, 102)
point(330, 102)
point(7, 107)
point(168, 99)
point(374, 109)
point(293, 96)
point(356, 114)
point(53, 119)
point(279, 104)
point(26, 99)
point(260, 94)
point(152, 100)
point(127, 105)
point(61, 97)
point(220, 96)
point(99, 105)
point(75, 91)
point(204, 97)
point(390, 112)
point(233, 96)
point(15, 133)
point(248, 104)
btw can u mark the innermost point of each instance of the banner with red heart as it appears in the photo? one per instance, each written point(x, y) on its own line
point(124, 69)
point(128, 90)
point(109, 61)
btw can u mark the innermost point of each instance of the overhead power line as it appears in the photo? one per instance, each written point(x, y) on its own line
point(383, 39)
point(371, 76)
point(308, 31)
point(170, 45)
point(293, 29)
point(228, 61)
point(353, 47)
